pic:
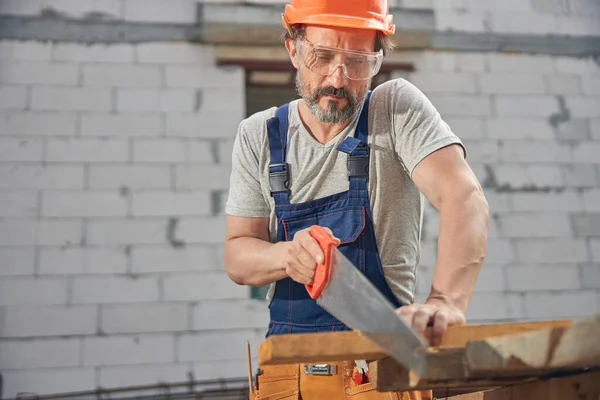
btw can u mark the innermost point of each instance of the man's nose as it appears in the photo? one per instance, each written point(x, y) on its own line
point(337, 77)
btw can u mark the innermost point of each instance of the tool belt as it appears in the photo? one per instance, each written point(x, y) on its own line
point(328, 381)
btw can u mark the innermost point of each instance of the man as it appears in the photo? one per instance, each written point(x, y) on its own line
point(357, 163)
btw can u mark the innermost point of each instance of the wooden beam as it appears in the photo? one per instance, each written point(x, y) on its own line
point(577, 345)
point(584, 386)
point(340, 346)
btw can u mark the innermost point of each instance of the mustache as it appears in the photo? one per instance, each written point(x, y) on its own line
point(331, 91)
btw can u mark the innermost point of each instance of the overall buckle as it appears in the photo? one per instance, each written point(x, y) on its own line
point(279, 177)
point(320, 369)
point(358, 165)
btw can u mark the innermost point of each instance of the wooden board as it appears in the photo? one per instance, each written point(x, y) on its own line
point(584, 386)
point(340, 346)
point(577, 345)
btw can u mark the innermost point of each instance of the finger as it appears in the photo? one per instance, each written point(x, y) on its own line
point(299, 272)
point(441, 320)
point(331, 233)
point(310, 245)
point(406, 313)
point(421, 319)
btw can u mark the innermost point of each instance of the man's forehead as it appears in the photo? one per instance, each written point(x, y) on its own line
point(349, 39)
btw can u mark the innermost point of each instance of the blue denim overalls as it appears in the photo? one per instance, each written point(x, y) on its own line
point(347, 214)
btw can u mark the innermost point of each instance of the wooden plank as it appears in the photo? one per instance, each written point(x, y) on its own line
point(339, 346)
point(584, 386)
point(577, 345)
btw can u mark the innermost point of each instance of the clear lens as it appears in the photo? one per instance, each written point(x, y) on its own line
point(325, 60)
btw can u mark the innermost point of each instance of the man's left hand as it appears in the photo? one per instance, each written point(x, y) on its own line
point(439, 314)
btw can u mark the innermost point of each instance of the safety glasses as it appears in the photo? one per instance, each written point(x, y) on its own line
point(324, 60)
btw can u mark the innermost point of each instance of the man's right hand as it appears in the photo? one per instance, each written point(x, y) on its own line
point(302, 256)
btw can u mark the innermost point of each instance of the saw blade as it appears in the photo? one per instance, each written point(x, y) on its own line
point(353, 299)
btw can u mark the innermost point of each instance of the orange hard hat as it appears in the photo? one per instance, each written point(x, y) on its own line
point(362, 14)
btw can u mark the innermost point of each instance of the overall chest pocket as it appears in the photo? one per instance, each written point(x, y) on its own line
point(346, 224)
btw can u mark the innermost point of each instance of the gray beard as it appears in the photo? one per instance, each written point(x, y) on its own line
point(331, 114)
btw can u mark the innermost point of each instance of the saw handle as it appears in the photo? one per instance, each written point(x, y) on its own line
point(322, 271)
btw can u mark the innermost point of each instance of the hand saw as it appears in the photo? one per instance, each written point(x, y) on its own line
point(341, 289)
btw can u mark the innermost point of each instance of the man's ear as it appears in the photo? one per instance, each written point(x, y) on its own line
point(290, 46)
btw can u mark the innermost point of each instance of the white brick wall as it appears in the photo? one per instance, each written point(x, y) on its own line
point(115, 162)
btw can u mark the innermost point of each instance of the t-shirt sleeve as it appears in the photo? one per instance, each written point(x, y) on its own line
point(419, 129)
point(245, 197)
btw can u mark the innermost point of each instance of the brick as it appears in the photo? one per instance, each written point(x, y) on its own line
point(28, 321)
point(563, 83)
point(538, 151)
point(495, 306)
point(126, 232)
point(139, 349)
point(464, 127)
point(428, 60)
point(459, 20)
point(116, 289)
point(83, 204)
point(13, 97)
point(18, 204)
point(461, 105)
point(180, 11)
point(202, 230)
point(580, 176)
point(87, 150)
point(554, 250)
point(217, 346)
point(519, 128)
point(235, 314)
point(213, 100)
point(573, 130)
point(537, 225)
point(225, 148)
point(82, 260)
point(43, 73)
point(590, 276)
point(587, 225)
point(157, 100)
point(153, 203)
point(17, 232)
point(172, 150)
point(503, 62)
point(226, 369)
point(511, 82)
point(591, 200)
point(113, 75)
point(47, 380)
point(32, 291)
point(586, 152)
point(491, 5)
point(175, 53)
point(39, 124)
point(525, 105)
point(525, 278)
point(584, 7)
point(137, 318)
point(129, 176)
point(17, 261)
point(40, 353)
point(591, 84)
point(482, 151)
point(595, 128)
point(550, 6)
point(102, 53)
point(207, 125)
point(514, 177)
point(559, 305)
point(18, 7)
point(499, 251)
point(471, 62)
point(595, 249)
point(58, 232)
point(578, 26)
point(25, 50)
point(498, 202)
point(107, 9)
point(20, 149)
point(148, 374)
point(221, 78)
point(540, 202)
point(444, 82)
point(121, 125)
point(146, 259)
point(583, 106)
point(209, 177)
point(576, 65)
point(70, 99)
point(202, 286)
point(523, 23)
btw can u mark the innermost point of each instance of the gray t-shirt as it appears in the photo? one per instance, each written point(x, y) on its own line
point(404, 127)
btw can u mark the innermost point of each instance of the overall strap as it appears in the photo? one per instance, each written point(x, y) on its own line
point(358, 151)
point(279, 175)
